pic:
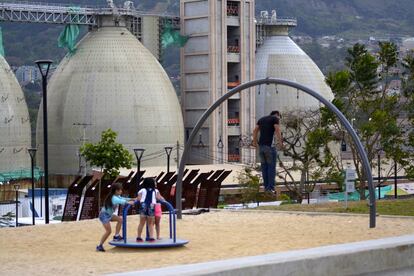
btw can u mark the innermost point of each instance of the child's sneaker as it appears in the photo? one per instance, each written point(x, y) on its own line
point(139, 240)
point(118, 238)
point(151, 240)
point(100, 248)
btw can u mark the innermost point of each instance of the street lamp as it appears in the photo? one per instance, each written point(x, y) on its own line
point(138, 154)
point(168, 151)
point(379, 175)
point(395, 180)
point(16, 188)
point(44, 66)
point(32, 153)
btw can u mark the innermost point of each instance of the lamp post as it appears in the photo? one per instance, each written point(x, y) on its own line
point(32, 153)
point(379, 175)
point(395, 180)
point(138, 154)
point(44, 66)
point(16, 188)
point(168, 151)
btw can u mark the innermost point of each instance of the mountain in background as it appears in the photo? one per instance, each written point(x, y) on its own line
point(25, 43)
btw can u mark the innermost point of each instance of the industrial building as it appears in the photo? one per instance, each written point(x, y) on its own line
point(218, 56)
point(278, 56)
point(228, 46)
point(14, 122)
point(112, 81)
point(27, 74)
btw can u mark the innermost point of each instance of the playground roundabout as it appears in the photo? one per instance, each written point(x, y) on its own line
point(69, 248)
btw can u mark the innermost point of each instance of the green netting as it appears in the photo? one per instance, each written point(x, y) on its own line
point(20, 174)
point(67, 39)
point(170, 36)
point(1, 44)
point(355, 195)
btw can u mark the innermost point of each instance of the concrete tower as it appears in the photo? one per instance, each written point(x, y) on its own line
point(218, 56)
point(278, 56)
point(14, 122)
point(112, 81)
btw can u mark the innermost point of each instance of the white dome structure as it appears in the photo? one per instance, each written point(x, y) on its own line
point(280, 57)
point(112, 81)
point(14, 122)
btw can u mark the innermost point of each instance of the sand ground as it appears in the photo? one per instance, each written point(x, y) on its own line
point(69, 248)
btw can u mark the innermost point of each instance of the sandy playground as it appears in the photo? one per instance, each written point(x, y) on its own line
point(69, 248)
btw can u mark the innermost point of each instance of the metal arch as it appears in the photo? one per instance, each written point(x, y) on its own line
point(240, 88)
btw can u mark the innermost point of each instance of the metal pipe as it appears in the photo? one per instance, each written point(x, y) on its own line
point(124, 222)
point(170, 218)
point(329, 105)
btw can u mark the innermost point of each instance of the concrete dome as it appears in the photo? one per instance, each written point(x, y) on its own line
point(112, 81)
point(280, 57)
point(14, 122)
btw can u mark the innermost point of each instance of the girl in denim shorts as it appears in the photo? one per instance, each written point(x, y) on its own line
point(147, 197)
point(107, 215)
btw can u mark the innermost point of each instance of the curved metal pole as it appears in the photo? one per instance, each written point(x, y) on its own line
point(328, 104)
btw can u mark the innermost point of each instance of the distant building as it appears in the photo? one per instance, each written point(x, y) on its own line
point(394, 87)
point(26, 74)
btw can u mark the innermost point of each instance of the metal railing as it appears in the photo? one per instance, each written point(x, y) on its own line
point(280, 21)
point(172, 221)
point(19, 11)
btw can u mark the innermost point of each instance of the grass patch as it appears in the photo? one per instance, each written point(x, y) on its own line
point(400, 207)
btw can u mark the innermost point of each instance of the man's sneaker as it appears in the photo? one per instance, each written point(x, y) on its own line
point(100, 248)
point(118, 238)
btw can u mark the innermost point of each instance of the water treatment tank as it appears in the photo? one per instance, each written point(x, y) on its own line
point(280, 57)
point(14, 122)
point(112, 81)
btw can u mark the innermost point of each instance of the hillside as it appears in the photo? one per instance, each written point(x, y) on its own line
point(25, 43)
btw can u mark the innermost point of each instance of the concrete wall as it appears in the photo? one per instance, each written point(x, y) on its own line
point(375, 257)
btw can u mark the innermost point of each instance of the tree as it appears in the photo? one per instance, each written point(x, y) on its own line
point(107, 154)
point(408, 93)
point(309, 146)
point(249, 180)
point(362, 93)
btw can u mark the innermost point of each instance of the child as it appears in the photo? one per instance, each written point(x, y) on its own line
point(147, 197)
point(158, 213)
point(107, 214)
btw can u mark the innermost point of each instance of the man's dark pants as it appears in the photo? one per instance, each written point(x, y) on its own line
point(268, 156)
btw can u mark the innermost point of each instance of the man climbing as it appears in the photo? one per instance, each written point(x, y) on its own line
point(268, 126)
